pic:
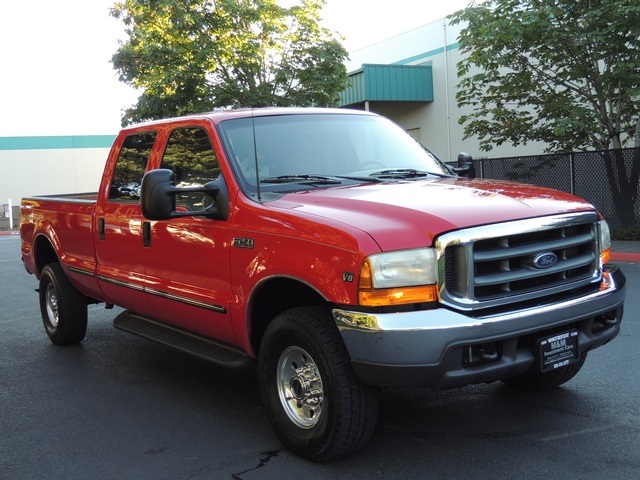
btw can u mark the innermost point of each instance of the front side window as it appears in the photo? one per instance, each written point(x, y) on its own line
point(191, 157)
point(130, 167)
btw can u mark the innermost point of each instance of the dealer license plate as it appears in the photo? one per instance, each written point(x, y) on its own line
point(558, 350)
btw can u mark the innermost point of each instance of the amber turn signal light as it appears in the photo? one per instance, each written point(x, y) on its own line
point(397, 296)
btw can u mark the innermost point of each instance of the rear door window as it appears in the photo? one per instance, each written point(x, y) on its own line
point(130, 167)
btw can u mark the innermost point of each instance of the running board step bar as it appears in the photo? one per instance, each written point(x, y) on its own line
point(200, 346)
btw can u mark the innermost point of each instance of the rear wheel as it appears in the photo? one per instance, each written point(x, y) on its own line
point(317, 406)
point(63, 308)
point(538, 382)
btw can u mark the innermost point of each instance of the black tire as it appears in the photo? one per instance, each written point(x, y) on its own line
point(63, 308)
point(316, 405)
point(539, 382)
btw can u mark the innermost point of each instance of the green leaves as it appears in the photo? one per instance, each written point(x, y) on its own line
point(195, 55)
point(564, 72)
point(165, 56)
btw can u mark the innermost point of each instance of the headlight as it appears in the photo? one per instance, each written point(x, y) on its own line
point(605, 242)
point(396, 278)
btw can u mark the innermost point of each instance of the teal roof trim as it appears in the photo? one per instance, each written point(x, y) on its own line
point(391, 83)
point(425, 55)
point(56, 143)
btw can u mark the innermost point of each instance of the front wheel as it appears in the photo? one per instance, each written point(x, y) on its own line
point(63, 308)
point(538, 382)
point(316, 405)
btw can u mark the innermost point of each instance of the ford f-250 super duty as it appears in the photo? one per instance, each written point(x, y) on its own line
point(335, 250)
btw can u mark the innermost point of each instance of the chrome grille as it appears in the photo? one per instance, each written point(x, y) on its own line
point(500, 264)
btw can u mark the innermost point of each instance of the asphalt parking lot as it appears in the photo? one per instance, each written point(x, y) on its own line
point(120, 407)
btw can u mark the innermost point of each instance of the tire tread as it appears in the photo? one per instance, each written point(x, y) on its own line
point(72, 307)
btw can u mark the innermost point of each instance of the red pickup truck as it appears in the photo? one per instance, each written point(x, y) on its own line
point(337, 252)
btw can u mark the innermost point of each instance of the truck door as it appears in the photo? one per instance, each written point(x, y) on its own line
point(120, 243)
point(188, 271)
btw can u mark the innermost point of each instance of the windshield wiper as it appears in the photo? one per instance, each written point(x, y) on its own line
point(302, 179)
point(404, 173)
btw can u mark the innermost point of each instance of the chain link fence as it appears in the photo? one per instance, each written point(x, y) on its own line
point(609, 179)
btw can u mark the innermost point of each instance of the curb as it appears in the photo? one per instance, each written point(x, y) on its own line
point(625, 257)
point(9, 232)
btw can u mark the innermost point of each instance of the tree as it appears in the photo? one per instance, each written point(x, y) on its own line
point(563, 72)
point(188, 56)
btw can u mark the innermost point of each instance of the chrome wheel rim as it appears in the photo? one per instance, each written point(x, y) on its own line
point(51, 301)
point(300, 387)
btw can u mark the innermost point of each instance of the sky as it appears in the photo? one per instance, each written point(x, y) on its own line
point(55, 72)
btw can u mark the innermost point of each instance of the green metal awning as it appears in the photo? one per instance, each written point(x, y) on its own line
point(389, 83)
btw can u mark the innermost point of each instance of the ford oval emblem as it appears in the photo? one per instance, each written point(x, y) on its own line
point(545, 260)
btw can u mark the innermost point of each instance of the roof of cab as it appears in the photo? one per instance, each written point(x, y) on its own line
point(218, 115)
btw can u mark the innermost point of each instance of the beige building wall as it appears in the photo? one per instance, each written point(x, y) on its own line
point(435, 124)
point(49, 171)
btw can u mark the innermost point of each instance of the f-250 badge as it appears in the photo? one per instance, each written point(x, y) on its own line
point(243, 242)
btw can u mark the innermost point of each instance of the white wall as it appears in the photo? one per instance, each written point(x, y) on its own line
point(27, 172)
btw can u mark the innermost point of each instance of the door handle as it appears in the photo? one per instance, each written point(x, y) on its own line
point(146, 234)
point(101, 229)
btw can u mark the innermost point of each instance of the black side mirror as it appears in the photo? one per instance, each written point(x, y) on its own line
point(465, 166)
point(157, 194)
point(158, 197)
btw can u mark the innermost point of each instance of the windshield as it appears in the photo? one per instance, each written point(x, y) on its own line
point(286, 152)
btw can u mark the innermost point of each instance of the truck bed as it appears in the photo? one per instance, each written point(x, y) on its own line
point(67, 220)
point(90, 197)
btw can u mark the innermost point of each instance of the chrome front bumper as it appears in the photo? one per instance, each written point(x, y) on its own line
point(426, 348)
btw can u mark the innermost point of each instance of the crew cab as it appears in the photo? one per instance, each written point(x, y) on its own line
point(333, 250)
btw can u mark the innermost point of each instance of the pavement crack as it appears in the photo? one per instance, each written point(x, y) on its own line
point(263, 461)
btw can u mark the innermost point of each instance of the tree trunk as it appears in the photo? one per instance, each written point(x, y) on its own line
point(623, 184)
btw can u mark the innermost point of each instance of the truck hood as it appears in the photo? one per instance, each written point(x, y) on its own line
point(409, 214)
